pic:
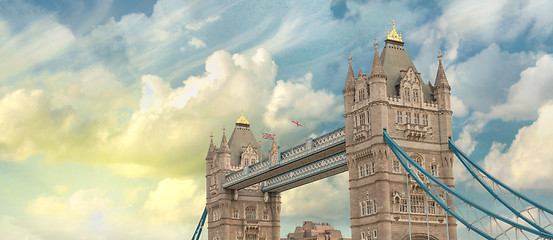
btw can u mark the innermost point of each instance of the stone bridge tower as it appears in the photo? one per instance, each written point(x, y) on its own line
point(417, 116)
point(245, 214)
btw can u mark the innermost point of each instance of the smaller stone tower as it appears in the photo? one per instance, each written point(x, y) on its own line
point(246, 214)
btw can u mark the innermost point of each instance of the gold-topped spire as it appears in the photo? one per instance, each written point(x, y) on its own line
point(242, 119)
point(393, 35)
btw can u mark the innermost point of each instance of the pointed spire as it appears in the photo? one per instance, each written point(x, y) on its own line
point(441, 79)
point(211, 148)
point(350, 78)
point(211, 145)
point(224, 145)
point(377, 69)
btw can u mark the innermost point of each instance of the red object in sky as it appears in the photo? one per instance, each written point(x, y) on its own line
point(297, 123)
point(267, 136)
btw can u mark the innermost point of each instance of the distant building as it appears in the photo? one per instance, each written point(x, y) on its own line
point(315, 231)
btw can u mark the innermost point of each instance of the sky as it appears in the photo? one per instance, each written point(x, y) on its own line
point(107, 107)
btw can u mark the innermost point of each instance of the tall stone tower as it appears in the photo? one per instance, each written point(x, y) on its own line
point(385, 203)
point(246, 214)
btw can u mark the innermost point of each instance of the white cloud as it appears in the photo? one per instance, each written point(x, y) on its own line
point(175, 200)
point(196, 43)
point(322, 199)
point(89, 214)
point(81, 205)
point(531, 91)
point(296, 100)
point(458, 107)
point(528, 161)
point(197, 25)
point(473, 127)
point(22, 51)
point(481, 80)
point(497, 20)
point(10, 229)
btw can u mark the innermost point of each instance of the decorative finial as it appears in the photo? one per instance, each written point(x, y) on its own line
point(211, 136)
point(375, 43)
point(350, 58)
point(224, 129)
point(242, 119)
point(393, 35)
point(440, 55)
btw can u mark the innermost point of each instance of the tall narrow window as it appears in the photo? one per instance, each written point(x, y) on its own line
point(235, 213)
point(367, 170)
point(362, 118)
point(407, 97)
point(265, 215)
point(399, 117)
point(363, 236)
point(417, 204)
point(425, 120)
point(416, 116)
point(408, 118)
point(395, 166)
point(415, 95)
point(403, 206)
point(373, 166)
point(434, 170)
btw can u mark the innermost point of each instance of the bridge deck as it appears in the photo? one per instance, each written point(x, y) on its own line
point(294, 161)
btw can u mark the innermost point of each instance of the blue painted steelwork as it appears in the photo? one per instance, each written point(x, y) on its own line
point(310, 170)
point(403, 156)
point(200, 226)
point(466, 161)
point(318, 144)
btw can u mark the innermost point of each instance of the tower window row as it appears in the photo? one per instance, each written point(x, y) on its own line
point(417, 118)
point(368, 236)
point(418, 205)
point(408, 95)
point(366, 169)
point(361, 119)
point(368, 207)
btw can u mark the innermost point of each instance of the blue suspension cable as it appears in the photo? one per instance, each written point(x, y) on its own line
point(200, 226)
point(464, 160)
point(398, 151)
point(456, 150)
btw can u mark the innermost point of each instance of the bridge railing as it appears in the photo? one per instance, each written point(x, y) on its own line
point(312, 145)
point(309, 170)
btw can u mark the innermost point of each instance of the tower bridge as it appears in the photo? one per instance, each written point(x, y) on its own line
point(396, 146)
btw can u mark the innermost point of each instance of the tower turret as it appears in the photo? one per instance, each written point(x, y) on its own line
point(441, 87)
point(349, 100)
point(377, 78)
point(224, 153)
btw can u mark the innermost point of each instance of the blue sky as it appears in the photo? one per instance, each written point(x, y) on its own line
point(107, 106)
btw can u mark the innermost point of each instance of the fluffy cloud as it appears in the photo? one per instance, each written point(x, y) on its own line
point(89, 214)
point(196, 43)
point(497, 20)
point(531, 91)
point(528, 161)
point(150, 140)
point(296, 100)
point(314, 200)
point(175, 200)
point(481, 79)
